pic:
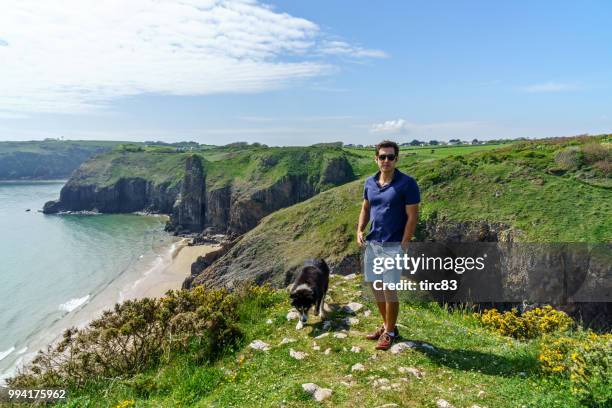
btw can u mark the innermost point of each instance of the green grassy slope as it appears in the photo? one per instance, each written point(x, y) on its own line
point(468, 365)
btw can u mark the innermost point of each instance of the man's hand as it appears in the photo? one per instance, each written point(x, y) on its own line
point(360, 238)
point(404, 245)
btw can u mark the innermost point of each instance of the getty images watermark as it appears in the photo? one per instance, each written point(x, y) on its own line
point(413, 264)
point(491, 271)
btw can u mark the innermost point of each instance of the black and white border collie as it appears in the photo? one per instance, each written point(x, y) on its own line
point(310, 288)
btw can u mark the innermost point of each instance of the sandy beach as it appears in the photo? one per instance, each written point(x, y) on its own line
point(173, 275)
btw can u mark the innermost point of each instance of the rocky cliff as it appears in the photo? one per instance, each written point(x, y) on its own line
point(199, 193)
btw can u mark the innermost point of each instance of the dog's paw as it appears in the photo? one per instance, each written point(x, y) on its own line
point(299, 325)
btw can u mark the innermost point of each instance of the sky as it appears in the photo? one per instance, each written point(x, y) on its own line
point(303, 72)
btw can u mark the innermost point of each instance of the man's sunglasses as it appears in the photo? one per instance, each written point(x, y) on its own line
point(383, 157)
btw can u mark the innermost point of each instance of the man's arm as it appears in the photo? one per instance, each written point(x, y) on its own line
point(412, 211)
point(364, 218)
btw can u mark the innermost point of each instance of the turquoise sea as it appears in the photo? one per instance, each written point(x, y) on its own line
point(52, 267)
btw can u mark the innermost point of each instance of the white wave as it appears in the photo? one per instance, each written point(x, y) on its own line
point(72, 304)
point(5, 353)
point(23, 350)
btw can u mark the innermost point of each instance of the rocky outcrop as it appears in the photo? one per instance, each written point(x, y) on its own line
point(189, 209)
point(233, 208)
point(337, 171)
point(246, 210)
point(127, 195)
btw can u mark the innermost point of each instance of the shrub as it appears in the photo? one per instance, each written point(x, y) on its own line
point(569, 158)
point(529, 325)
point(594, 152)
point(136, 335)
point(586, 361)
point(604, 167)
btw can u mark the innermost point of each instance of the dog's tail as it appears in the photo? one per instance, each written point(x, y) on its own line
point(319, 263)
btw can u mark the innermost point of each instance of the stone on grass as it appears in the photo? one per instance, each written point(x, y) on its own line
point(315, 346)
point(269, 321)
point(358, 367)
point(259, 345)
point(327, 351)
point(318, 393)
point(481, 394)
point(320, 336)
point(286, 340)
point(340, 335)
point(352, 307)
point(355, 349)
point(350, 321)
point(380, 382)
point(440, 403)
point(298, 355)
point(350, 276)
point(293, 314)
point(414, 371)
point(367, 313)
point(390, 405)
point(404, 345)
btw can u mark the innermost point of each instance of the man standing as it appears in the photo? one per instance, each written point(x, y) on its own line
point(391, 201)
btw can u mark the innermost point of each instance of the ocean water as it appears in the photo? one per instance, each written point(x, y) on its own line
point(54, 266)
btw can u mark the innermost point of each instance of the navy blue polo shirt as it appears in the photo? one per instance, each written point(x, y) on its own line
point(388, 206)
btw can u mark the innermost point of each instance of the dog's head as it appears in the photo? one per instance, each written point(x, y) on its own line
point(302, 298)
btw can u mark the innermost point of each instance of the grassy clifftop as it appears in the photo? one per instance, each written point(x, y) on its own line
point(247, 167)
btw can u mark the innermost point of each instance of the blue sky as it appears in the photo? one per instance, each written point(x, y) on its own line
point(301, 72)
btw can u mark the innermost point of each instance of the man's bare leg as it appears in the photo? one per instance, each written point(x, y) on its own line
point(382, 308)
point(381, 302)
point(391, 310)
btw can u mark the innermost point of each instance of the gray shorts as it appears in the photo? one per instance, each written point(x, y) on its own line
point(373, 262)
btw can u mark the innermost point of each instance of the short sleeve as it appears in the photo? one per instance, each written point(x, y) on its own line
point(412, 194)
point(365, 191)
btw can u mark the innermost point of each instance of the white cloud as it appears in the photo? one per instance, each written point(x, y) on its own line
point(550, 87)
point(391, 126)
point(402, 126)
point(76, 56)
point(343, 48)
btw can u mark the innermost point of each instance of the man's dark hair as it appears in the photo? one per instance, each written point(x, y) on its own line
point(387, 143)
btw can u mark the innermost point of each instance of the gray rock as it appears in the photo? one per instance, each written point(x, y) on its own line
point(259, 345)
point(404, 345)
point(440, 403)
point(352, 307)
point(318, 393)
point(298, 355)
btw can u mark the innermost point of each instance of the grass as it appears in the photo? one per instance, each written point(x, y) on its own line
point(469, 365)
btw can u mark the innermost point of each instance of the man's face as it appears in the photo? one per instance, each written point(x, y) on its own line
point(383, 159)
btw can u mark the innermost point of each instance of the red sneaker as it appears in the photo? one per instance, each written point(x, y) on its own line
point(385, 341)
point(375, 335)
